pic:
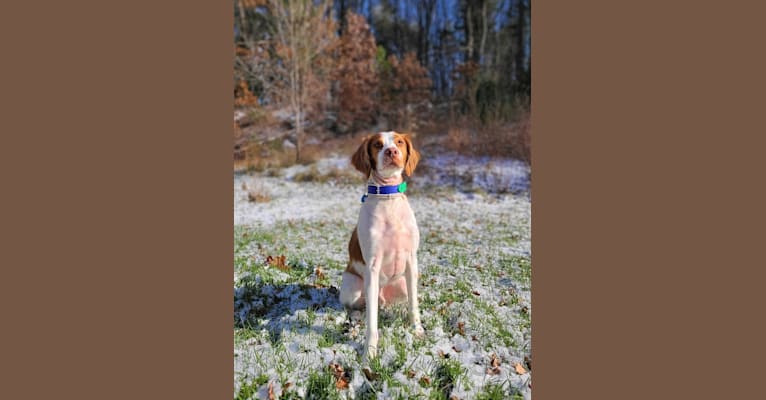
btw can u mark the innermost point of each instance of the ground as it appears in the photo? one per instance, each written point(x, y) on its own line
point(291, 339)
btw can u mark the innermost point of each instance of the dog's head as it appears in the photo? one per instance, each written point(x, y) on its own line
point(388, 153)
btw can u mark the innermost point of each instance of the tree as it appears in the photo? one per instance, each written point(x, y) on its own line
point(356, 74)
point(253, 60)
point(305, 37)
point(425, 10)
point(404, 85)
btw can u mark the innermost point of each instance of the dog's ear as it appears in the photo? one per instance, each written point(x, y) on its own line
point(361, 159)
point(412, 157)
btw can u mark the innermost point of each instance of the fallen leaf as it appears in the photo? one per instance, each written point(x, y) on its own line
point(528, 361)
point(271, 390)
point(336, 369)
point(461, 328)
point(519, 369)
point(319, 273)
point(277, 262)
point(341, 380)
point(410, 374)
point(441, 354)
point(371, 376)
point(476, 293)
point(493, 371)
point(453, 397)
point(494, 361)
point(474, 338)
point(341, 384)
point(287, 385)
point(425, 380)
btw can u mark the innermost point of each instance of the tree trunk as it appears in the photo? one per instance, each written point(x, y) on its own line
point(483, 41)
point(520, 28)
point(342, 17)
point(468, 32)
point(298, 135)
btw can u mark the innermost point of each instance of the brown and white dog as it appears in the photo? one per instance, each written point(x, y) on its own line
point(383, 264)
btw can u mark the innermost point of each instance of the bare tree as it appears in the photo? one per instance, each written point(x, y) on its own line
point(305, 36)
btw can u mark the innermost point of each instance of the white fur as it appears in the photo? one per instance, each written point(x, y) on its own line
point(388, 143)
point(388, 237)
point(378, 219)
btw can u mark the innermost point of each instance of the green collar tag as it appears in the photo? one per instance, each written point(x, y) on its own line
point(402, 187)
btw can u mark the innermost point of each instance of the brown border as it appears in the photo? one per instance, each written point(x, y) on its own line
point(648, 171)
point(117, 200)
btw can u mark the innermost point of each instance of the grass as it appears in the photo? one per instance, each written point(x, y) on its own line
point(289, 325)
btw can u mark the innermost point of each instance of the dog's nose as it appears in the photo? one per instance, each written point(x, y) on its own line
point(392, 151)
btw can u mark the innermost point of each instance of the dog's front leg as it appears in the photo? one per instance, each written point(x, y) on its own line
point(372, 289)
point(411, 276)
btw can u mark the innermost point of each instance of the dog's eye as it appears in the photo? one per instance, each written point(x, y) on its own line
point(400, 141)
point(378, 145)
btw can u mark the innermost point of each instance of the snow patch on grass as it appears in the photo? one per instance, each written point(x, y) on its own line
point(474, 289)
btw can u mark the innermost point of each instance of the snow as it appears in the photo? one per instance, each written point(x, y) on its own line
point(474, 216)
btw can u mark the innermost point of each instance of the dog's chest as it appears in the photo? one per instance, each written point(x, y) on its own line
point(387, 229)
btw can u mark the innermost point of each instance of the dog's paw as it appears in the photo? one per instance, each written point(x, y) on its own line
point(419, 331)
point(355, 317)
point(369, 354)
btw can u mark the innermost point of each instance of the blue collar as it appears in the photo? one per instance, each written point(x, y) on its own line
point(393, 189)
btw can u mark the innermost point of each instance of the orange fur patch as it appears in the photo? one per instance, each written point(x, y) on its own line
point(354, 253)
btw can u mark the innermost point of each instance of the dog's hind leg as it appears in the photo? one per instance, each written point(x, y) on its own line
point(352, 296)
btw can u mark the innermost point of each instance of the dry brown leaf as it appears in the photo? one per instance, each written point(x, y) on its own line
point(494, 361)
point(277, 262)
point(476, 293)
point(271, 390)
point(461, 328)
point(410, 374)
point(341, 380)
point(319, 273)
point(336, 369)
point(519, 369)
point(341, 384)
point(441, 354)
point(287, 385)
point(474, 338)
point(425, 380)
point(493, 371)
point(371, 376)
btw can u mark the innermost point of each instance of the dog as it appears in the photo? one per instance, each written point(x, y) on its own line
point(383, 264)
